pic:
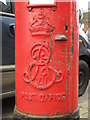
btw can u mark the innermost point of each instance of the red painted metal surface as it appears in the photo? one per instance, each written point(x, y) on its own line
point(46, 52)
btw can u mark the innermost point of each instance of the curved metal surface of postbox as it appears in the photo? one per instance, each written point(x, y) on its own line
point(46, 76)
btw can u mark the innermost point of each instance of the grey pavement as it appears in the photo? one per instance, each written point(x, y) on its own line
point(84, 104)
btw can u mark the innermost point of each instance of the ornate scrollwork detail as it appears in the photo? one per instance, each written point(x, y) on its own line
point(39, 73)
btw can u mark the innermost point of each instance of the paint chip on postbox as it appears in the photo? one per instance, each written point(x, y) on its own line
point(41, 2)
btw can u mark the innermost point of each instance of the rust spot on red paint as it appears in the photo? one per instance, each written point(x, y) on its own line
point(72, 50)
point(58, 113)
point(58, 61)
point(62, 63)
point(69, 68)
point(54, 8)
point(63, 50)
point(50, 44)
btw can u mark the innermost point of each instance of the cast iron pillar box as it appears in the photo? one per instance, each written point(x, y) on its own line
point(46, 59)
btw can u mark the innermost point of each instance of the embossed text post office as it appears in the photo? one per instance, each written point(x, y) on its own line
point(46, 59)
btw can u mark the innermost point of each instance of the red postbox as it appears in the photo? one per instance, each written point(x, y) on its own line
point(46, 59)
